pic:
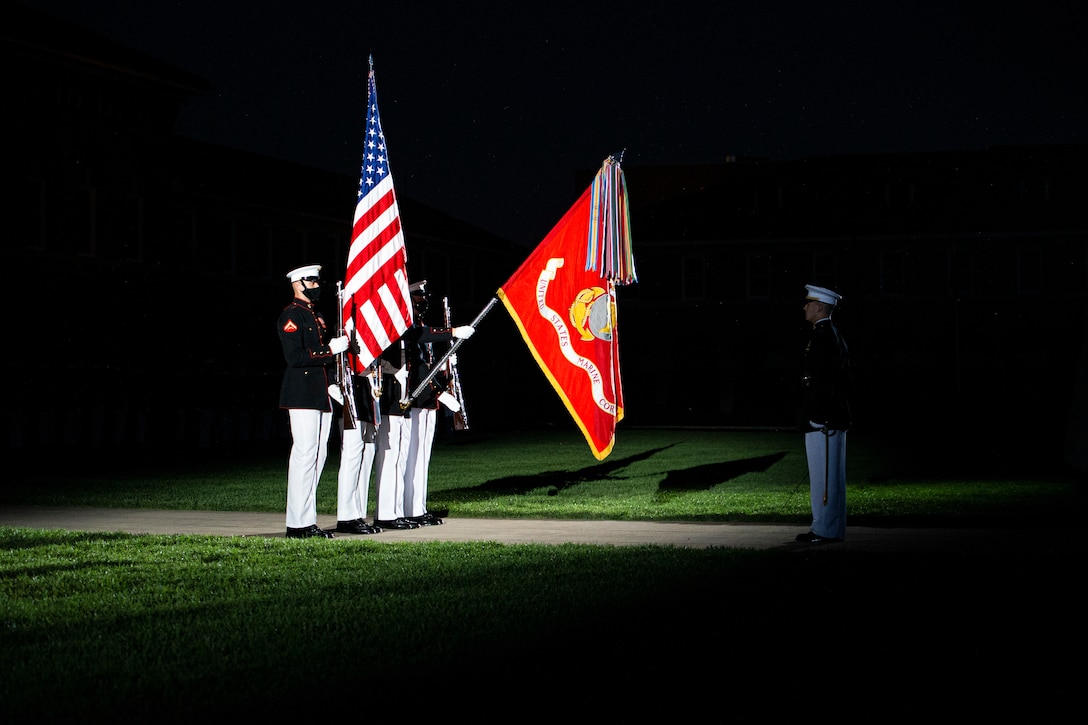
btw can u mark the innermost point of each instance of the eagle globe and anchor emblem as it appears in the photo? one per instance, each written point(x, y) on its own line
point(592, 314)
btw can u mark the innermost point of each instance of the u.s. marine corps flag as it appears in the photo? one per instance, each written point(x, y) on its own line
point(563, 299)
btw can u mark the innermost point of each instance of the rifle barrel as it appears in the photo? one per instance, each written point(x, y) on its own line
point(453, 348)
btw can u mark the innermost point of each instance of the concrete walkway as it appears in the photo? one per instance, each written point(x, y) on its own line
point(510, 531)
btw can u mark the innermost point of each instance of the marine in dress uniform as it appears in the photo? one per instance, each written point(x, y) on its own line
point(392, 441)
point(405, 436)
point(356, 463)
point(825, 416)
point(305, 394)
point(419, 342)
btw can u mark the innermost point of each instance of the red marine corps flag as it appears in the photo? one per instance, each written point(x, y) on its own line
point(375, 300)
point(563, 299)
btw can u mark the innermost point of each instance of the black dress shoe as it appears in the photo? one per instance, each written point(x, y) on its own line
point(358, 526)
point(811, 537)
point(308, 532)
point(400, 524)
point(427, 519)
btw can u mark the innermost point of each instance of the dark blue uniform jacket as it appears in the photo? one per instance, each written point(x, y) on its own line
point(306, 350)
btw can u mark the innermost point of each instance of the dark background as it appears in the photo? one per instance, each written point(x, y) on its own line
point(935, 143)
point(491, 108)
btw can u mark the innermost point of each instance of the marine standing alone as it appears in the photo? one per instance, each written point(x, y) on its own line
point(825, 416)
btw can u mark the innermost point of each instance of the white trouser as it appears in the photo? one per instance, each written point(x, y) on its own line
point(310, 431)
point(827, 472)
point(390, 465)
point(419, 461)
point(353, 479)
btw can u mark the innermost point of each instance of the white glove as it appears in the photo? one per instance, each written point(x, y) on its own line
point(338, 344)
point(463, 332)
point(335, 394)
point(449, 401)
point(452, 359)
point(401, 376)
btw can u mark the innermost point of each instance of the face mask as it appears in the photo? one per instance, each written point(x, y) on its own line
point(312, 294)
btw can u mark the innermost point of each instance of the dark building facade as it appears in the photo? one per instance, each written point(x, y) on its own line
point(157, 265)
point(158, 262)
point(963, 274)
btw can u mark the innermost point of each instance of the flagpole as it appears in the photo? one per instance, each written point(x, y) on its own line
point(453, 348)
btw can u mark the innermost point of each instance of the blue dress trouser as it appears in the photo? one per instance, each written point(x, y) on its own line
point(827, 474)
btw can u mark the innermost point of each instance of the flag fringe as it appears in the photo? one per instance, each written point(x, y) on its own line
point(608, 248)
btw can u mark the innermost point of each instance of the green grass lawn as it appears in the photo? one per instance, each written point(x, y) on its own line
point(652, 474)
point(185, 628)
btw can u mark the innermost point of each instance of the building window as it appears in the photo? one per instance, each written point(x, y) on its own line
point(758, 267)
point(29, 218)
point(824, 269)
point(893, 274)
point(70, 215)
point(900, 195)
point(1035, 190)
point(213, 242)
point(182, 234)
point(251, 244)
point(287, 249)
point(120, 227)
point(693, 279)
point(961, 282)
point(325, 250)
point(1029, 271)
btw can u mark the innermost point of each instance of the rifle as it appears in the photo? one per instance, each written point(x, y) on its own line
point(343, 369)
point(460, 418)
point(374, 373)
point(407, 401)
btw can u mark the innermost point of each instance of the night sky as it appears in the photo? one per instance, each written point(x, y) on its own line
point(492, 114)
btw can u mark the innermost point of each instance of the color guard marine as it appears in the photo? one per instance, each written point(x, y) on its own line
point(306, 393)
point(406, 434)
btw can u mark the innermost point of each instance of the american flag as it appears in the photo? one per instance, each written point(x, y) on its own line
point(376, 301)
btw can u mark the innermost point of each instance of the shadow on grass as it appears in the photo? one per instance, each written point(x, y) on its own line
point(559, 480)
point(690, 479)
point(704, 477)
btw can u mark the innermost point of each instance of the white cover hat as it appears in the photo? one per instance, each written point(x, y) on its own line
point(822, 294)
point(310, 270)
